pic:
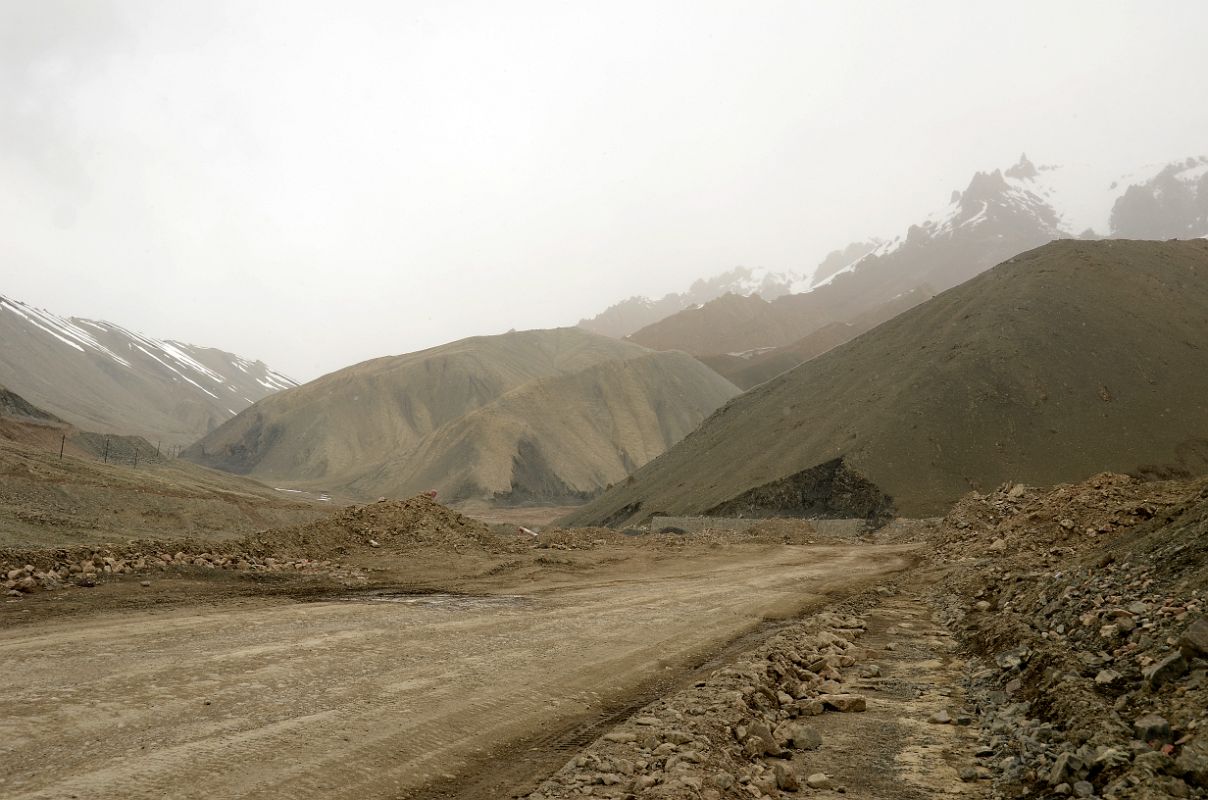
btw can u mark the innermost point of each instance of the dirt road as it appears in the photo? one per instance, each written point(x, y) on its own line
point(369, 698)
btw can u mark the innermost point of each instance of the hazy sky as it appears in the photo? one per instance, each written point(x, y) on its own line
point(316, 183)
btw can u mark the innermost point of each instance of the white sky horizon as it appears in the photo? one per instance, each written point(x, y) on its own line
point(314, 184)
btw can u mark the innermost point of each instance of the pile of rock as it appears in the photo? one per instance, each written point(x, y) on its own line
point(397, 526)
point(1050, 525)
point(741, 732)
point(57, 569)
point(1097, 684)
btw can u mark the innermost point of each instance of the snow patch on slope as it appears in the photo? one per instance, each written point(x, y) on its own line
point(174, 358)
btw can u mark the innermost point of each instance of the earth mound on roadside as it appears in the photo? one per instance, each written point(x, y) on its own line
point(1072, 359)
point(394, 526)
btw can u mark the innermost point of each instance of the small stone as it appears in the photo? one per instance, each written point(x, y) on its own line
point(968, 774)
point(1107, 677)
point(144, 583)
point(1062, 767)
point(940, 717)
point(1084, 789)
point(808, 708)
point(722, 780)
point(646, 721)
point(678, 737)
point(819, 780)
point(983, 605)
point(1166, 670)
point(1194, 641)
point(997, 546)
point(844, 702)
point(620, 737)
point(785, 779)
point(1152, 728)
point(798, 736)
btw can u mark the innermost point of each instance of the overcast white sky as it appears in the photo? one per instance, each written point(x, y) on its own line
point(317, 183)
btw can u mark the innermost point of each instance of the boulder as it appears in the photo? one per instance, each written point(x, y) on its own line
point(1194, 641)
point(844, 702)
point(1168, 669)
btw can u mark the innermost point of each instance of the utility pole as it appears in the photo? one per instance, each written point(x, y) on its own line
point(106, 449)
point(157, 449)
point(136, 457)
point(62, 444)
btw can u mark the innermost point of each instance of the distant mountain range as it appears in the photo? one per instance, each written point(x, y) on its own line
point(1074, 358)
point(102, 377)
point(998, 215)
point(627, 316)
point(533, 416)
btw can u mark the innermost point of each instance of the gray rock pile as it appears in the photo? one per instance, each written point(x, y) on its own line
point(1096, 677)
point(743, 732)
point(35, 571)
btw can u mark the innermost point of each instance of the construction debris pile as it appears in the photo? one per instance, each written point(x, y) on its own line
point(1089, 602)
point(741, 732)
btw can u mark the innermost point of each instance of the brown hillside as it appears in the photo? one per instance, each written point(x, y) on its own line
point(746, 371)
point(732, 323)
point(550, 415)
point(561, 438)
point(1071, 359)
point(48, 500)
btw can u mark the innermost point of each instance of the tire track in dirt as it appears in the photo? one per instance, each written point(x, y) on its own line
point(369, 699)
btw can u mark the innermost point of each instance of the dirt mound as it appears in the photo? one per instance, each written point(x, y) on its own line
point(1057, 522)
point(832, 490)
point(394, 526)
point(1070, 360)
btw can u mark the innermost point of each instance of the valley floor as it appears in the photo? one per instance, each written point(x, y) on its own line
point(1033, 643)
point(360, 695)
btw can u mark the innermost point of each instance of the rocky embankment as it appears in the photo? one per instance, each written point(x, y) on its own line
point(320, 547)
point(26, 572)
point(1086, 605)
point(739, 733)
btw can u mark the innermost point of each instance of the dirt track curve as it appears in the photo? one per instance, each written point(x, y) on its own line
point(366, 698)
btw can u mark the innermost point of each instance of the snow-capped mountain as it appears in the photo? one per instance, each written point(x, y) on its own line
point(1173, 204)
point(1155, 201)
point(623, 318)
point(998, 215)
point(104, 377)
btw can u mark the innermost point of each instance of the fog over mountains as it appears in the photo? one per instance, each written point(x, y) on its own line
point(998, 214)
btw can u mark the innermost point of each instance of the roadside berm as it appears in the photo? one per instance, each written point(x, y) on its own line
point(1072, 661)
